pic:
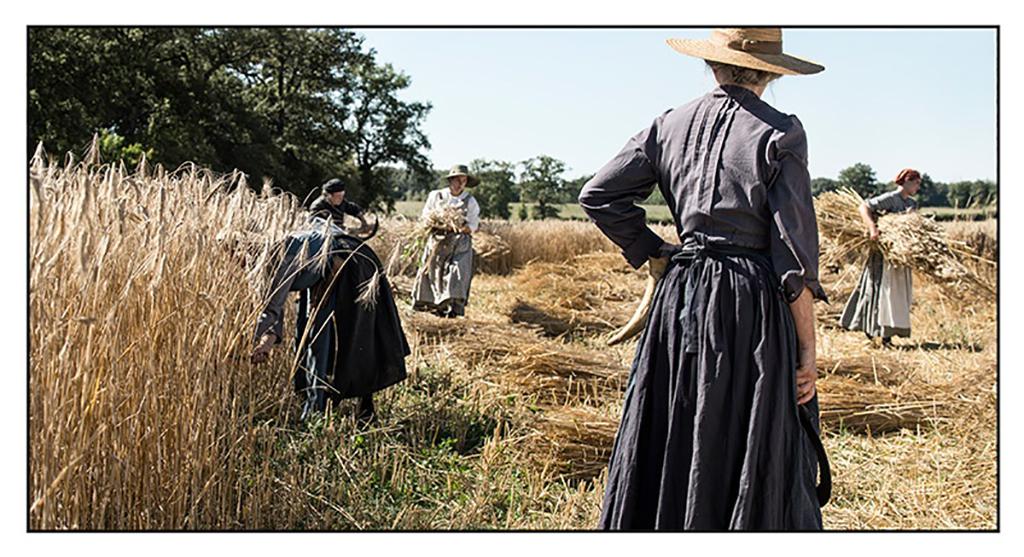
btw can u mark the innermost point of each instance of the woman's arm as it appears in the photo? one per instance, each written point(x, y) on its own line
point(609, 198)
point(807, 371)
point(869, 220)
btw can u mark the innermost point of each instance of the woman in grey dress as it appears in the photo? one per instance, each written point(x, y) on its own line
point(446, 269)
point(719, 427)
point(880, 305)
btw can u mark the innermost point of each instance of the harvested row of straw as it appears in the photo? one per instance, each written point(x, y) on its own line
point(907, 239)
point(865, 407)
point(577, 439)
point(589, 293)
point(553, 371)
point(873, 368)
point(518, 359)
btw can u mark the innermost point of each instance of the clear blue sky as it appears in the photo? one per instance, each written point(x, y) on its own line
point(891, 98)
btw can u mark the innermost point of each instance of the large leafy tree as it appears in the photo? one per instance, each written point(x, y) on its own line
point(541, 184)
point(276, 103)
point(497, 187)
point(384, 129)
point(861, 178)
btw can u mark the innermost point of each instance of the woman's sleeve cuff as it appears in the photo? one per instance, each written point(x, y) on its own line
point(642, 248)
point(794, 285)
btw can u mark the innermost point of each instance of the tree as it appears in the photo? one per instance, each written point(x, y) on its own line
point(541, 183)
point(984, 193)
point(932, 193)
point(821, 185)
point(384, 129)
point(497, 187)
point(276, 103)
point(572, 189)
point(114, 149)
point(861, 178)
point(298, 87)
point(522, 213)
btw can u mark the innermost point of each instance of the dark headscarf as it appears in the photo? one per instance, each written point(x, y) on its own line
point(333, 185)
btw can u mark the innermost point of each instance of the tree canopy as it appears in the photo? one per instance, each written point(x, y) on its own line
point(296, 106)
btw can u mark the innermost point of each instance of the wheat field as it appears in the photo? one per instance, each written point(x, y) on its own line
point(146, 414)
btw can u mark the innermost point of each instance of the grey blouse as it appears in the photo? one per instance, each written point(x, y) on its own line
point(890, 202)
point(730, 167)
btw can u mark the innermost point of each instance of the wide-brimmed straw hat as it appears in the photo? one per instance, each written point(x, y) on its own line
point(758, 48)
point(463, 170)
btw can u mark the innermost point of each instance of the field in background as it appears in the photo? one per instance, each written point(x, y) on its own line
point(146, 414)
point(660, 213)
point(567, 211)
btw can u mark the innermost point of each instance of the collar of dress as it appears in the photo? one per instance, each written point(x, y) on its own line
point(447, 193)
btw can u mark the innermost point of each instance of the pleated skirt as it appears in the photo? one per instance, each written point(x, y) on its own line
point(711, 437)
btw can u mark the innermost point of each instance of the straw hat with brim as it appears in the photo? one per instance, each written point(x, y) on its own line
point(463, 170)
point(758, 48)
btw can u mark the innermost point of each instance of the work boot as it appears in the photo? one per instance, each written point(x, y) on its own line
point(365, 413)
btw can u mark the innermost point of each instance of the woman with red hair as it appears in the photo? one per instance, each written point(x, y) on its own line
point(880, 305)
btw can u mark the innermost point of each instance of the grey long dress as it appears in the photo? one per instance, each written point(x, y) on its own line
point(446, 267)
point(711, 435)
point(880, 305)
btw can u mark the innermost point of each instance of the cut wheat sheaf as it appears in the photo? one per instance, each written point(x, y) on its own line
point(908, 239)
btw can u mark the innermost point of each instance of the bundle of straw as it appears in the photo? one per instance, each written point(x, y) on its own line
point(491, 254)
point(862, 407)
point(840, 228)
point(579, 439)
point(516, 358)
point(589, 293)
point(443, 220)
point(906, 239)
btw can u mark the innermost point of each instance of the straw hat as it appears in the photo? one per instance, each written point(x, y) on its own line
point(759, 48)
point(463, 170)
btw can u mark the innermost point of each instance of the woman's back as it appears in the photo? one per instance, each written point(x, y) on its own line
point(732, 170)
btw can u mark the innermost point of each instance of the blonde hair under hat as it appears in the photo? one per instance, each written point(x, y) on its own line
point(758, 48)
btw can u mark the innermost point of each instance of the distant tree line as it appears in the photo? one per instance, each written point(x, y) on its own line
point(297, 106)
point(861, 178)
point(538, 184)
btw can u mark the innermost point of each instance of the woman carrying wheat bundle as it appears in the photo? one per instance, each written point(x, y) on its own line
point(880, 305)
point(720, 424)
point(446, 270)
